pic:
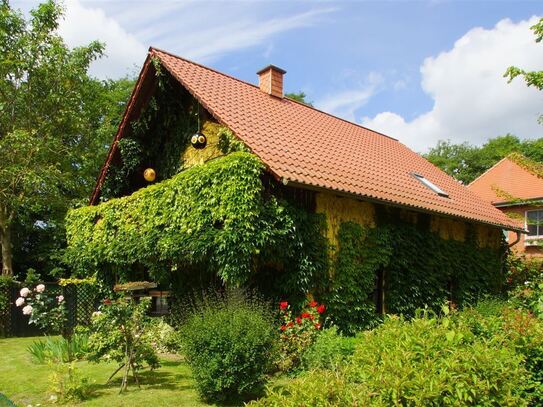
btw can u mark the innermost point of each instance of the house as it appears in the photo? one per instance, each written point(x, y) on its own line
point(514, 186)
point(411, 234)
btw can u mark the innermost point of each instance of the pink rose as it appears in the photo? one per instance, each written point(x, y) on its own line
point(40, 288)
point(60, 298)
point(19, 301)
point(24, 292)
point(27, 310)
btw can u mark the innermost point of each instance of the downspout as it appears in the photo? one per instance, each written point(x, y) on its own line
point(506, 252)
point(515, 242)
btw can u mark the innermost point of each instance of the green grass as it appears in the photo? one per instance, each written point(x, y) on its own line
point(26, 383)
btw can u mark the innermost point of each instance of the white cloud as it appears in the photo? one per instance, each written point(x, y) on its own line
point(472, 100)
point(82, 25)
point(347, 102)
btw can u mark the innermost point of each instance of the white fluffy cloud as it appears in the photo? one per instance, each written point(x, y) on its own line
point(83, 24)
point(472, 100)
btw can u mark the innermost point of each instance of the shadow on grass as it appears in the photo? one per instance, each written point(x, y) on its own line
point(149, 379)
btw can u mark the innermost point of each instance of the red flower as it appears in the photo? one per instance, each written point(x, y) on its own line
point(313, 304)
point(283, 305)
point(298, 320)
point(283, 327)
point(317, 326)
point(290, 324)
point(305, 315)
point(321, 309)
point(107, 301)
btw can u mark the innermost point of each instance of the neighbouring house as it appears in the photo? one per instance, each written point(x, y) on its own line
point(514, 186)
point(208, 172)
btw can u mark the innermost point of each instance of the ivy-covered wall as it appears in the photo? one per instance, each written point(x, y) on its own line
point(215, 217)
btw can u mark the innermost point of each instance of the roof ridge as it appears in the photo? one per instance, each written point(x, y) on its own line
point(286, 97)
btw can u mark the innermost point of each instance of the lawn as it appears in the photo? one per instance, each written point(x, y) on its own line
point(26, 383)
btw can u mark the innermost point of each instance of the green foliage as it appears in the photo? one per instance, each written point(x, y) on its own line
point(424, 362)
point(329, 351)
point(229, 343)
point(67, 384)
point(119, 332)
point(162, 336)
point(360, 254)
point(55, 125)
point(533, 78)
point(213, 216)
point(466, 162)
point(156, 140)
point(59, 349)
point(297, 333)
point(228, 143)
point(299, 97)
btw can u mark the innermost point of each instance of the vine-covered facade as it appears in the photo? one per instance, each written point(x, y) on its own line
point(217, 214)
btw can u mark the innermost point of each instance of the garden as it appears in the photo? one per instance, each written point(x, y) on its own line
point(233, 347)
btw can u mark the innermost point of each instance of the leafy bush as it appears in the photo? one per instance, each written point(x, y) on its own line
point(162, 336)
point(59, 350)
point(67, 384)
point(424, 362)
point(297, 333)
point(46, 309)
point(119, 332)
point(329, 351)
point(229, 343)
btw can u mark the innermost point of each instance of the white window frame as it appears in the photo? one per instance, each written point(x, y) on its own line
point(528, 240)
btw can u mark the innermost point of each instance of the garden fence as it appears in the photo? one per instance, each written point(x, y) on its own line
point(81, 302)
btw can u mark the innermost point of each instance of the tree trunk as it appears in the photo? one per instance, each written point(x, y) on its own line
point(5, 242)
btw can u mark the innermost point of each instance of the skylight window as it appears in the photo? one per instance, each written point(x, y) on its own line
point(430, 185)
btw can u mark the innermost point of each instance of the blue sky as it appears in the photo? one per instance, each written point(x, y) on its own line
point(417, 70)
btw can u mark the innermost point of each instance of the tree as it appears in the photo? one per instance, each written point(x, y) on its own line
point(532, 78)
point(299, 97)
point(466, 162)
point(47, 101)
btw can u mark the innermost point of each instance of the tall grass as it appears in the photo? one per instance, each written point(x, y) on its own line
point(59, 349)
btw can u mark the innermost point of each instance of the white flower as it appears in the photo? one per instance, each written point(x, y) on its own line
point(40, 288)
point(24, 292)
point(96, 313)
point(19, 301)
point(60, 298)
point(27, 310)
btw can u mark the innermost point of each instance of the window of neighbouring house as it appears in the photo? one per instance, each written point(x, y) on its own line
point(534, 223)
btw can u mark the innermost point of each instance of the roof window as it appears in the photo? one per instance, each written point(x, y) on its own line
point(431, 185)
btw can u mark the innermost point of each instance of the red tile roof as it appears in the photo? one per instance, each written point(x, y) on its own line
point(507, 181)
point(303, 145)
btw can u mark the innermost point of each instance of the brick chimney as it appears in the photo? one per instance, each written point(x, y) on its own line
point(270, 80)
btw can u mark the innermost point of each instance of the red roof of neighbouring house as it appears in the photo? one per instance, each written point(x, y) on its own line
point(307, 147)
point(508, 182)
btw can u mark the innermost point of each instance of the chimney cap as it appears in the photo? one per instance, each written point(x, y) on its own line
point(273, 67)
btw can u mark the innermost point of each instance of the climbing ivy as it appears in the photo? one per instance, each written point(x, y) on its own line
point(214, 218)
point(156, 139)
point(361, 253)
point(420, 270)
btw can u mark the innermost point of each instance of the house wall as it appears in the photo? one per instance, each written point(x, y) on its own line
point(341, 209)
point(519, 213)
point(193, 156)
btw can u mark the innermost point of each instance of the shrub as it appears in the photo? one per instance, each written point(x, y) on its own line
point(229, 343)
point(59, 350)
point(162, 336)
point(424, 362)
point(297, 333)
point(329, 351)
point(119, 332)
point(67, 384)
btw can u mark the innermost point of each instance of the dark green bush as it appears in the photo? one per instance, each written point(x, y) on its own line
point(424, 362)
point(229, 342)
point(330, 350)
